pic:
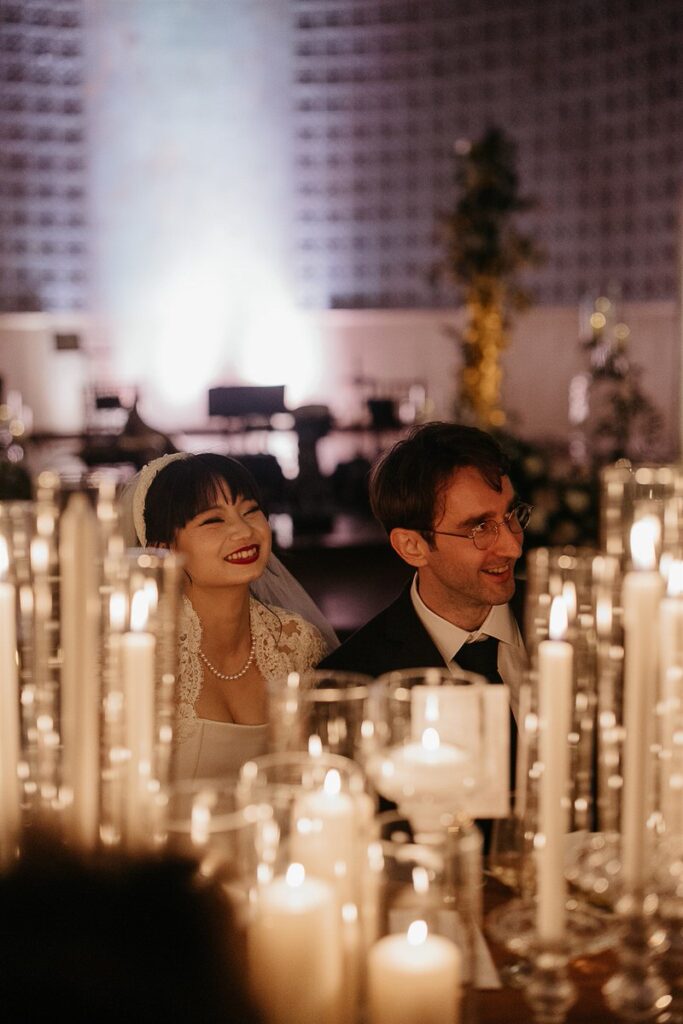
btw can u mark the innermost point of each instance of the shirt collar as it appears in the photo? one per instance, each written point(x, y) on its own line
point(449, 638)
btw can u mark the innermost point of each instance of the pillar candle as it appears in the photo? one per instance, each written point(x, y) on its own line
point(428, 769)
point(641, 594)
point(294, 950)
point(9, 715)
point(137, 665)
point(323, 836)
point(414, 978)
point(555, 681)
point(80, 694)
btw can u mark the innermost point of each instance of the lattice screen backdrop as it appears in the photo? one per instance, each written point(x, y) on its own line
point(42, 156)
point(591, 91)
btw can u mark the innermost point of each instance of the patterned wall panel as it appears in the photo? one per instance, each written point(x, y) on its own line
point(591, 91)
point(42, 156)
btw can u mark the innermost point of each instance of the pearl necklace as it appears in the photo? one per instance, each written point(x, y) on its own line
point(225, 675)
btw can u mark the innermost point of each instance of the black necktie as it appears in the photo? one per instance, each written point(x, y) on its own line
point(480, 656)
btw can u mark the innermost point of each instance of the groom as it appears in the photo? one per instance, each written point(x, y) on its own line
point(444, 496)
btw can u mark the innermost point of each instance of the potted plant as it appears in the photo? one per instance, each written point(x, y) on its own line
point(484, 251)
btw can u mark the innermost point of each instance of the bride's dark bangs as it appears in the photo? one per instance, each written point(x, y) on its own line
point(188, 486)
point(210, 477)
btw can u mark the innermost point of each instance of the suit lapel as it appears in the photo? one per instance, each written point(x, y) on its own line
point(407, 636)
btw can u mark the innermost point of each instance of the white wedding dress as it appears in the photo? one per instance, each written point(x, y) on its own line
point(285, 642)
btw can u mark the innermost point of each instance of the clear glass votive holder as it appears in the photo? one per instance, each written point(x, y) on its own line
point(205, 823)
point(322, 809)
point(305, 936)
point(422, 954)
point(439, 750)
point(628, 492)
point(589, 583)
point(140, 617)
point(17, 524)
point(440, 885)
point(320, 710)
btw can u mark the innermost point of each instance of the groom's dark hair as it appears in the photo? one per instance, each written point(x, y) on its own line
point(407, 482)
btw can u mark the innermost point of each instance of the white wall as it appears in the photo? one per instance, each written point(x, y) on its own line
point(385, 350)
point(52, 382)
point(543, 355)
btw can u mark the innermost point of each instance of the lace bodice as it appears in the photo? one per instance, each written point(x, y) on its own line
point(285, 642)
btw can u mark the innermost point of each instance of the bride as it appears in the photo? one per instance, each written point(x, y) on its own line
point(233, 639)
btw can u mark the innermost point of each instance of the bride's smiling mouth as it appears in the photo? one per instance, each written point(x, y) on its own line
point(243, 556)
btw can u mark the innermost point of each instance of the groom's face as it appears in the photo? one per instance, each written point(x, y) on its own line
point(458, 580)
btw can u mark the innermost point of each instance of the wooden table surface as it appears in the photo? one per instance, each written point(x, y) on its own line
point(509, 1006)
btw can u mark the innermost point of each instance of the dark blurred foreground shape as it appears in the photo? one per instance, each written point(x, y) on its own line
point(104, 942)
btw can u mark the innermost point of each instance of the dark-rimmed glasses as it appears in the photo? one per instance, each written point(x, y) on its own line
point(485, 534)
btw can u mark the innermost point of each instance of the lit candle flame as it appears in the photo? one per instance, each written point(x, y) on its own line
point(295, 875)
point(603, 616)
point(432, 708)
point(367, 729)
point(152, 592)
point(430, 739)
point(315, 746)
point(139, 611)
point(420, 880)
point(40, 555)
point(349, 913)
point(559, 620)
point(644, 538)
point(200, 822)
point(417, 933)
point(569, 597)
point(4, 558)
point(332, 784)
point(674, 587)
point(117, 611)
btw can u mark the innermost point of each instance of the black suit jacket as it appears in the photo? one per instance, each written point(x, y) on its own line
point(394, 639)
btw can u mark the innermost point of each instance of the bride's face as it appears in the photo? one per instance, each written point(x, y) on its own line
point(226, 544)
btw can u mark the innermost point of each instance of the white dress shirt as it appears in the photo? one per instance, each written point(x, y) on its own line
point(499, 623)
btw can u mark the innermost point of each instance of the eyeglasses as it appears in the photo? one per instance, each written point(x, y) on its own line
point(485, 534)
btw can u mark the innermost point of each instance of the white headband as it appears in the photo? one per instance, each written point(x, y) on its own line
point(145, 477)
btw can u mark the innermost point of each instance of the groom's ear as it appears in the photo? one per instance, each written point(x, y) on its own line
point(410, 545)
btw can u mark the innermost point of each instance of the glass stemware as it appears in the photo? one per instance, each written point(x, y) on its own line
point(433, 747)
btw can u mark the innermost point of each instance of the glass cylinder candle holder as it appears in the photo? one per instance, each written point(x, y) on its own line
point(140, 644)
point(40, 698)
point(439, 747)
point(422, 956)
point(320, 710)
point(589, 584)
point(16, 530)
point(206, 824)
point(307, 903)
point(441, 886)
point(627, 493)
point(321, 806)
